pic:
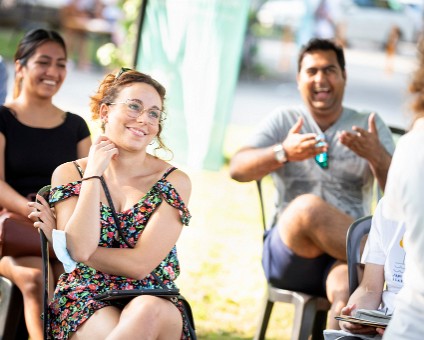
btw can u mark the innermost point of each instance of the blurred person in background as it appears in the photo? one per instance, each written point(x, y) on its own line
point(35, 137)
point(3, 80)
point(323, 158)
point(321, 19)
point(79, 19)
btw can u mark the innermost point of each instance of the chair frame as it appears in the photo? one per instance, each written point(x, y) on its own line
point(310, 316)
point(357, 230)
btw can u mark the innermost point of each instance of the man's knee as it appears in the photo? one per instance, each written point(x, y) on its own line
point(303, 211)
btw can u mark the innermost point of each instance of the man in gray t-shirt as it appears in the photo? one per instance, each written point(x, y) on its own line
point(323, 158)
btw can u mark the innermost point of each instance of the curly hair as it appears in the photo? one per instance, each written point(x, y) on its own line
point(112, 84)
point(416, 86)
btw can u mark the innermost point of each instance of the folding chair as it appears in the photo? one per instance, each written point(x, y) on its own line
point(310, 316)
point(357, 230)
point(44, 192)
point(12, 319)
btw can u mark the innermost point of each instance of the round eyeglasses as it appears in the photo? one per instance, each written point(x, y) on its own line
point(135, 109)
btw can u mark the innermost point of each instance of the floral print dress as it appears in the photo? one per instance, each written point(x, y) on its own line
point(73, 301)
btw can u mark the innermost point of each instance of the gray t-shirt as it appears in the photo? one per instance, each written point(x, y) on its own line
point(347, 183)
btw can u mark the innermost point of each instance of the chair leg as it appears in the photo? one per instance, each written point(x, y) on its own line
point(12, 322)
point(305, 320)
point(320, 324)
point(264, 319)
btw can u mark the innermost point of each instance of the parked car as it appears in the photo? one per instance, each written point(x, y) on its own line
point(373, 20)
point(363, 20)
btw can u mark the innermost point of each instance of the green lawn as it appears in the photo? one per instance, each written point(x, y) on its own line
point(220, 255)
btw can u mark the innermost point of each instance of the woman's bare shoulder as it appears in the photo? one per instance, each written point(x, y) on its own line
point(181, 182)
point(68, 172)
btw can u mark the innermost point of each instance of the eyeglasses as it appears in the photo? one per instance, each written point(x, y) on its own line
point(135, 109)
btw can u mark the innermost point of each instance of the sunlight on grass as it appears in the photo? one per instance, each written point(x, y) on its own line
point(220, 255)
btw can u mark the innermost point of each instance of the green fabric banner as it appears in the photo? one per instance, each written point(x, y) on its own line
point(193, 47)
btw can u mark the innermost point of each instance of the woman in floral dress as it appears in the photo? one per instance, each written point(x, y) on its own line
point(149, 196)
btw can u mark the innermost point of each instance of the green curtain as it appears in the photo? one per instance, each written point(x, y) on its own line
point(193, 47)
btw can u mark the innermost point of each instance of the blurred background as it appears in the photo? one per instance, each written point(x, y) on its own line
point(220, 251)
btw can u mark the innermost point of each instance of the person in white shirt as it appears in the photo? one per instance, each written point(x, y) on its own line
point(384, 258)
point(405, 197)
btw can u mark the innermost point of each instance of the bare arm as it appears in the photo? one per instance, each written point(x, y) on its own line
point(366, 296)
point(158, 238)
point(254, 163)
point(83, 147)
point(250, 164)
point(79, 216)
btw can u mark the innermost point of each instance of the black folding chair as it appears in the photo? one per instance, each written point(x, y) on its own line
point(44, 192)
point(357, 230)
point(310, 316)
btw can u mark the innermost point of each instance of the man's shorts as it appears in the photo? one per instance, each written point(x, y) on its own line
point(286, 270)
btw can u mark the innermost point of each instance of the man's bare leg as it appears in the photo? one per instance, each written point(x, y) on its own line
point(337, 292)
point(310, 227)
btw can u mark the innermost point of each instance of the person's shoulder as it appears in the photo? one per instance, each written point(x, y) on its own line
point(283, 114)
point(68, 172)
point(180, 181)
point(179, 175)
point(6, 115)
point(74, 117)
point(5, 111)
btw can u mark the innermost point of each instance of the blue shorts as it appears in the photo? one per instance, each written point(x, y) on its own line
point(286, 270)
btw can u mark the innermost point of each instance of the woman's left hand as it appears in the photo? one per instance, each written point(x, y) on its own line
point(43, 216)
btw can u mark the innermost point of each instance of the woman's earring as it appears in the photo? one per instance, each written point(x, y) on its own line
point(103, 125)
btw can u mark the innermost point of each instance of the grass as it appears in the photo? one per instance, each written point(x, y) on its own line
point(220, 254)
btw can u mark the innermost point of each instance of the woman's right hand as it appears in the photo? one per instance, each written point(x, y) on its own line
point(44, 217)
point(353, 327)
point(101, 153)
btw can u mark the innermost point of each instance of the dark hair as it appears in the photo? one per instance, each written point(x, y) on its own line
point(29, 44)
point(111, 86)
point(316, 44)
point(416, 86)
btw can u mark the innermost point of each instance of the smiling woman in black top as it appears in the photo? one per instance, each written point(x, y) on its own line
point(35, 137)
